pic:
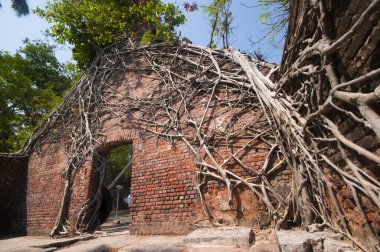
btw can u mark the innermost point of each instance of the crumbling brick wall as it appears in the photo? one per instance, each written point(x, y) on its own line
point(164, 183)
point(164, 199)
point(358, 56)
point(13, 178)
point(357, 224)
point(45, 186)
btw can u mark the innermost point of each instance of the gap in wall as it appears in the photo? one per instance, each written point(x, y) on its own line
point(117, 180)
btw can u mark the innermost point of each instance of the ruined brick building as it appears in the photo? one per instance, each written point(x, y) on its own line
point(217, 138)
point(164, 184)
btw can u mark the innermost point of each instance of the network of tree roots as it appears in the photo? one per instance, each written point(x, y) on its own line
point(300, 109)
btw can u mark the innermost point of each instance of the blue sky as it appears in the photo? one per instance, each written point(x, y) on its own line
point(14, 29)
point(245, 28)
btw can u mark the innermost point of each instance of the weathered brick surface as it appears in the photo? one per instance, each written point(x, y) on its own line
point(359, 55)
point(44, 188)
point(165, 199)
point(163, 179)
point(164, 187)
point(12, 194)
point(164, 193)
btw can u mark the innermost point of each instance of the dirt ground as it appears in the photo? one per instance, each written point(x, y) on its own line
point(123, 242)
point(114, 237)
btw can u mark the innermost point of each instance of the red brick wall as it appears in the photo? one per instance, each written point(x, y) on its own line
point(359, 56)
point(163, 187)
point(247, 209)
point(12, 195)
point(164, 199)
point(163, 193)
point(45, 186)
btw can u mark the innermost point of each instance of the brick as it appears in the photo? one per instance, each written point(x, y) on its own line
point(163, 178)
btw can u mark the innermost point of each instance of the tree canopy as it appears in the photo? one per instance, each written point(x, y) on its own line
point(117, 159)
point(91, 25)
point(220, 20)
point(274, 18)
point(32, 83)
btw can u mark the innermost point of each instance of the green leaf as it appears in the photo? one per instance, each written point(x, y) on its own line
point(32, 82)
point(90, 25)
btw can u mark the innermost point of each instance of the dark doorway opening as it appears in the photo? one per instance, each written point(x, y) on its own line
point(116, 195)
point(106, 205)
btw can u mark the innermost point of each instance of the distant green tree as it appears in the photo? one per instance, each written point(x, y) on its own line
point(220, 20)
point(117, 159)
point(32, 83)
point(274, 18)
point(20, 6)
point(90, 25)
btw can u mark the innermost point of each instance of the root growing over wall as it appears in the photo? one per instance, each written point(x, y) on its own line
point(307, 111)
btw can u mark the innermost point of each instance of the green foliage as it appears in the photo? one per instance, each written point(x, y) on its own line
point(32, 83)
point(90, 25)
point(275, 18)
point(220, 20)
point(117, 159)
point(264, 17)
